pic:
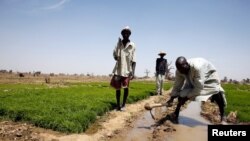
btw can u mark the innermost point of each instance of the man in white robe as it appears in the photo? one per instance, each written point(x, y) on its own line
point(124, 70)
point(196, 79)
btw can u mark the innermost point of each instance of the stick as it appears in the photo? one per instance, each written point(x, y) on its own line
point(148, 106)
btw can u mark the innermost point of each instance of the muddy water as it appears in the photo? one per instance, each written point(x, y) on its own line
point(191, 115)
point(142, 129)
point(191, 127)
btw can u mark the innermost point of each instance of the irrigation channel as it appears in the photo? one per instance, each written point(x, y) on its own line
point(191, 127)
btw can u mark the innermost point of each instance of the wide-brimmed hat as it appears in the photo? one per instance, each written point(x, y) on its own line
point(162, 53)
point(126, 28)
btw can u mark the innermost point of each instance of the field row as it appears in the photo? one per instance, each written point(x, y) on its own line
point(72, 107)
point(67, 108)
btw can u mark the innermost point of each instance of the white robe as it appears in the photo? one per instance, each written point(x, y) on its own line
point(125, 55)
point(200, 83)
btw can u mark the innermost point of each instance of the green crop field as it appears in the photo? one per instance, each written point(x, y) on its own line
point(72, 107)
point(68, 108)
point(238, 99)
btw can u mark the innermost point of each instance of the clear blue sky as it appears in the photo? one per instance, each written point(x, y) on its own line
point(78, 36)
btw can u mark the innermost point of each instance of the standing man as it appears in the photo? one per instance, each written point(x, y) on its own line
point(161, 68)
point(124, 70)
point(196, 79)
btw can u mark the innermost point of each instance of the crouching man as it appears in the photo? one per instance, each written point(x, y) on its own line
point(196, 79)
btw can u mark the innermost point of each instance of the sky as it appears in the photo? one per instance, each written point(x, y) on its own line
point(78, 36)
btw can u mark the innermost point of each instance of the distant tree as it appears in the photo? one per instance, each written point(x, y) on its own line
point(236, 82)
point(168, 74)
point(225, 79)
point(3, 71)
point(61, 74)
point(90, 74)
point(147, 73)
point(247, 80)
point(37, 73)
point(21, 74)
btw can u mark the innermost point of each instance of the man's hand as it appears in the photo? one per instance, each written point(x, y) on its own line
point(133, 71)
point(170, 102)
point(131, 75)
point(119, 41)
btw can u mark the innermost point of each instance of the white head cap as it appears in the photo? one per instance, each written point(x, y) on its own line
point(126, 28)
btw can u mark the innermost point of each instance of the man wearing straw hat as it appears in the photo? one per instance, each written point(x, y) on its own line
point(161, 68)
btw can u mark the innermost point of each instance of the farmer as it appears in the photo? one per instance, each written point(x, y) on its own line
point(196, 79)
point(161, 68)
point(124, 70)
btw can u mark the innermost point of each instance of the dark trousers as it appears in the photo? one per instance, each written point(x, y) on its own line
point(218, 98)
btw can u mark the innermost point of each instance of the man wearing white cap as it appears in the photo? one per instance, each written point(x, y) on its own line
point(124, 70)
point(161, 68)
